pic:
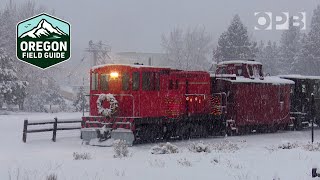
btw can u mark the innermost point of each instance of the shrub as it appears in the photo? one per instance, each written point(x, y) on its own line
point(164, 148)
point(199, 147)
point(81, 156)
point(312, 147)
point(52, 177)
point(120, 148)
point(225, 146)
point(288, 145)
point(184, 162)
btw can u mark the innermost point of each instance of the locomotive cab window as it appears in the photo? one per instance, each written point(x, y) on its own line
point(125, 81)
point(94, 81)
point(135, 81)
point(150, 81)
point(104, 82)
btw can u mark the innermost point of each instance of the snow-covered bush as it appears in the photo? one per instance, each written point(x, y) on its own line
point(312, 147)
point(225, 146)
point(52, 177)
point(199, 147)
point(184, 162)
point(214, 161)
point(288, 145)
point(164, 148)
point(81, 156)
point(120, 148)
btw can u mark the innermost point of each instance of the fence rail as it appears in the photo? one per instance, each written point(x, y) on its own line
point(54, 129)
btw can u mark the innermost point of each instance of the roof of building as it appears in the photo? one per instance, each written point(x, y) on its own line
point(298, 76)
point(239, 62)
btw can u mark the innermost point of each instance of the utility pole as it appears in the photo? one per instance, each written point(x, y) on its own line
point(313, 115)
point(99, 52)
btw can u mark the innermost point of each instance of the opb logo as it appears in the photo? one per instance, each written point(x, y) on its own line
point(279, 21)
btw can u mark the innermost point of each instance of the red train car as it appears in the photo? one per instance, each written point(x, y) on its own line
point(153, 102)
point(253, 101)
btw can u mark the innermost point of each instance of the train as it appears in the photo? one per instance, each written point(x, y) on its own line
point(304, 90)
point(149, 103)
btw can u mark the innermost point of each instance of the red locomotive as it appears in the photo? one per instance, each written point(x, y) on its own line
point(161, 103)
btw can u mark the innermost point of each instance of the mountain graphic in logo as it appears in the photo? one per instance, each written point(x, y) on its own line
point(44, 30)
point(43, 40)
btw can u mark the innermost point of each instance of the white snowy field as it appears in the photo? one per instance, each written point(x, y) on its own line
point(258, 156)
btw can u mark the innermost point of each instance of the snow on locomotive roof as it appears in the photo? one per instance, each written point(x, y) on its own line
point(130, 65)
point(239, 62)
point(298, 76)
point(267, 80)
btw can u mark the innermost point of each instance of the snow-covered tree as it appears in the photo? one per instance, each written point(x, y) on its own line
point(12, 91)
point(48, 95)
point(307, 61)
point(300, 65)
point(290, 45)
point(80, 101)
point(188, 50)
point(235, 42)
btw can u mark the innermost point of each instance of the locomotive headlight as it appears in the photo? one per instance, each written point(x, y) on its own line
point(114, 75)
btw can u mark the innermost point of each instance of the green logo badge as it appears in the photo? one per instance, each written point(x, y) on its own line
point(43, 41)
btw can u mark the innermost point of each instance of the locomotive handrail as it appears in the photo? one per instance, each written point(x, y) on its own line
point(130, 95)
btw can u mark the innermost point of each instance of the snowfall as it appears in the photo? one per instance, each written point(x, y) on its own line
point(279, 156)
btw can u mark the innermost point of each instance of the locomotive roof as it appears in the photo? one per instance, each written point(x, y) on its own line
point(129, 65)
point(298, 76)
point(267, 80)
point(239, 62)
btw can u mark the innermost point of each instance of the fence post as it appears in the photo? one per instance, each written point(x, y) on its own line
point(55, 124)
point(25, 129)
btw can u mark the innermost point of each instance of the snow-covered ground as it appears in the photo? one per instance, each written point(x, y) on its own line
point(236, 158)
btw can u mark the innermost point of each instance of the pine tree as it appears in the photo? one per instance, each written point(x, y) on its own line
point(290, 45)
point(12, 91)
point(307, 61)
point(80, 101)
point(235, 42)
point(299, 65)
point(313, 43)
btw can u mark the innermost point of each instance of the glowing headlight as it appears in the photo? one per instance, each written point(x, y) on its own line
point(114, 75)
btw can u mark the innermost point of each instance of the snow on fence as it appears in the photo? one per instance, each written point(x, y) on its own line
point(54, 129)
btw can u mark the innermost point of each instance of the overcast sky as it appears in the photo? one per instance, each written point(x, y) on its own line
point(137, 25)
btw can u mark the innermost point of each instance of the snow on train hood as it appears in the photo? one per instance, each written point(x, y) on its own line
point(268, 80)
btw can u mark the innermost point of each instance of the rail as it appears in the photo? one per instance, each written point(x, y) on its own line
point(54, 129)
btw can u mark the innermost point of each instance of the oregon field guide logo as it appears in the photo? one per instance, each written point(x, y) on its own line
point(43, 41)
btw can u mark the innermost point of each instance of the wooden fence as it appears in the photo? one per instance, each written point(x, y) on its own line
point(54, 129)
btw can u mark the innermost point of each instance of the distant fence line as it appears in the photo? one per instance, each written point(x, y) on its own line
point(54, 129)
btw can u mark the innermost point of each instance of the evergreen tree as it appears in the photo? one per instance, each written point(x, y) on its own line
point(235, 42)
point(80, 101)
point(312, 44)
point(307, 61)
point(12, 91)
point(290, 45)
point(48, 95)
point(299, 65)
